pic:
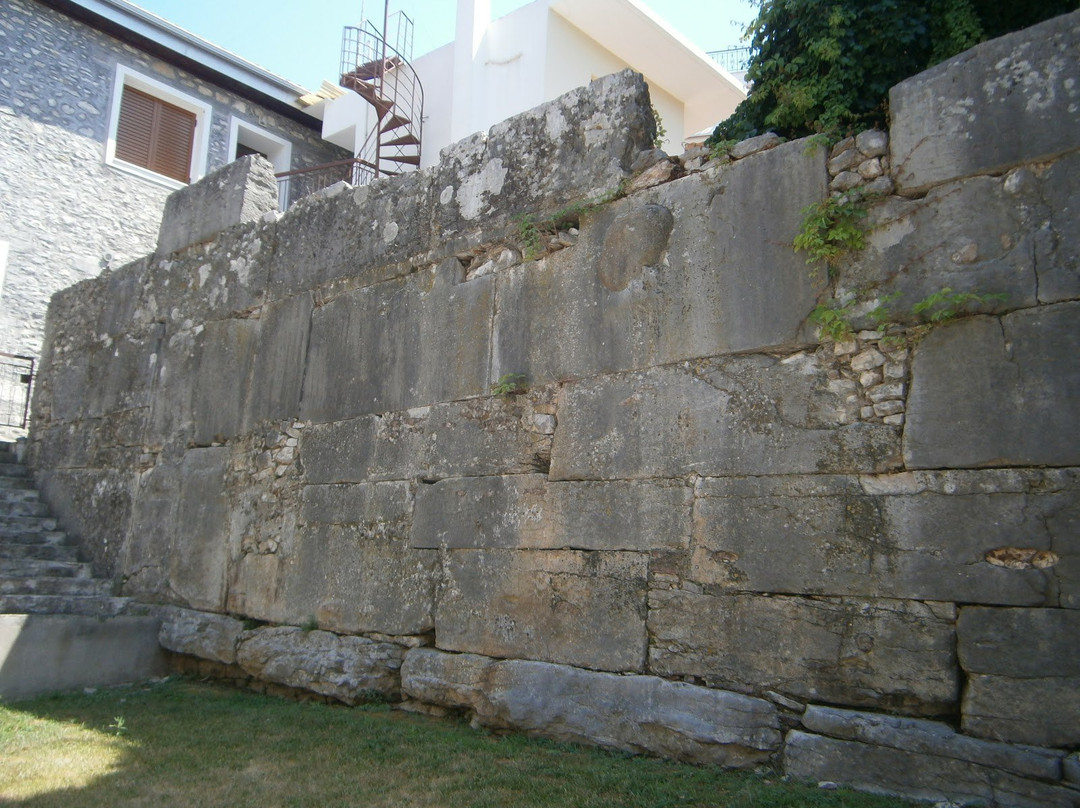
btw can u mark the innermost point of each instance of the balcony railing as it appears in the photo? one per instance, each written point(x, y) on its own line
point(733, 60)
point(294, 185)
point(16, 378)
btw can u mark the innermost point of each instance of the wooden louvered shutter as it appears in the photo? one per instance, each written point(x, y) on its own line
point(155, 135)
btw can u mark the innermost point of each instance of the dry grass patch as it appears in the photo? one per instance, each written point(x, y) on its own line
point(184, 743)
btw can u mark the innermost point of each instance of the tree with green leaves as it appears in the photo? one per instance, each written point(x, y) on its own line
point(826, 66)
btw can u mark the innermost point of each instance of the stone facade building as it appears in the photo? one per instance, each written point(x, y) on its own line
point(82, 186)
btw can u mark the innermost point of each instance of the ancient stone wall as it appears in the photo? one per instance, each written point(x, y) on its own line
point(699, 530)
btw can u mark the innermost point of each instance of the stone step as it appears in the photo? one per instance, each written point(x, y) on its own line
point(28, 506)
point(94, 606)
point(40, 568)
point(26, 524)
point(52, 585)
point(19, 483)
point(32, 537)
point(13, 470)
point(41, 551)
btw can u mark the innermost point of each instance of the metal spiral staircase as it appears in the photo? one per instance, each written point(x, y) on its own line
point(375, 65)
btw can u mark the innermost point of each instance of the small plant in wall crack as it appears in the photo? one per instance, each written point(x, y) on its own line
point(509, 384)
point(940, 307)
point(831, 228)
point(532, 243)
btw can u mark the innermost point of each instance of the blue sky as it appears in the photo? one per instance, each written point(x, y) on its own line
point(301, 40)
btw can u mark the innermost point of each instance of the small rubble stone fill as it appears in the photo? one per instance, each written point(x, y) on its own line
point(696, 509)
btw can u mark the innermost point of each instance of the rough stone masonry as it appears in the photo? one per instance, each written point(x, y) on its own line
point(700, 530)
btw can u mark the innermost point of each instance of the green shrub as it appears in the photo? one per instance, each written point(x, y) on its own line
point(827, 65)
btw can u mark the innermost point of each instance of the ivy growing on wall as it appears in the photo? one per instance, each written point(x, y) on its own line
point(827, 65)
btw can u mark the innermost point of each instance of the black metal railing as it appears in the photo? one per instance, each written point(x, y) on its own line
point(16, 379)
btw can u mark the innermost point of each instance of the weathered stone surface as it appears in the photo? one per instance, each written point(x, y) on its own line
point(915, 535)
point(753, 145)
point(225, 363)
point(280, 358)
point(105, 493)
point(201, 634)
point(890, 654)
point(1014, 401)
point(1019, 643)
point(629, 295)
point(932, 738)
point(577, 147)
point(199, 530)
point(1012, 100)
point(347, 668)
point(983, 235)
point(528, 512)
point(241, 191)
point(886, 770)
point(739, 415)
point(400, 344)
point(348, 566)
point(634, 713)
point(360, 238)
point(577, 608)
point(491, 435)
point(1044, 711)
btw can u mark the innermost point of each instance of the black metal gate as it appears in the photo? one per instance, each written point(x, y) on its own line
point(16, 378)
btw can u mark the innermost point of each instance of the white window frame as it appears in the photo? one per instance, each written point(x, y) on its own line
point(200, 146)
point(277, 148)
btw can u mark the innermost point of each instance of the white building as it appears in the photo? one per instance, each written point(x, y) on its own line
point(497, 68)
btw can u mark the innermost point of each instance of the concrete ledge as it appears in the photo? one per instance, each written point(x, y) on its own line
point(47, 653)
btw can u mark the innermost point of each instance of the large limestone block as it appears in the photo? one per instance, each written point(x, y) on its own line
point(994, 536)
point(222, 278)
point(199, 554)
point(686, 270)
point(577, 608)
point(997, 391)
point(200, 634)
point(359, 237)
point(1012, 100)
point(641, 714)
point(930, 777)
point(490, 435)
point(348, 567)
point(280, 359)
point(170, 419)
point(1023, 669)
point(891, 654)
point(751, 415)
point(225, 365)
point(400, 344)
point(528, 512)
point(577, 147)
point(932, 738)
point(241, 191)
point(1057, 246)
point(350, 669)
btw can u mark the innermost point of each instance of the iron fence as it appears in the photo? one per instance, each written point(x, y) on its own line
point(16, 379)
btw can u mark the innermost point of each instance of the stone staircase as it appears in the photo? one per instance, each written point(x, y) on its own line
point(60, 627)
point(39, 570)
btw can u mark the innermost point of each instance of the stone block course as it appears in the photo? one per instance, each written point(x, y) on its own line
point(960, 117)
point(528, 512)
point(752, 415)
point(1020, 370)
point(576, 608)
point(944, 536)
point(634, 713)
point(888, 654)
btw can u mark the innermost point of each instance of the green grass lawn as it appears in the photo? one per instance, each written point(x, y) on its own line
point(185, 743)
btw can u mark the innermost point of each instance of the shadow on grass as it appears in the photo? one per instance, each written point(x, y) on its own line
point(183, 743)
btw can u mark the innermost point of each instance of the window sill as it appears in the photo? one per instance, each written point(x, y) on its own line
point(146, 174)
